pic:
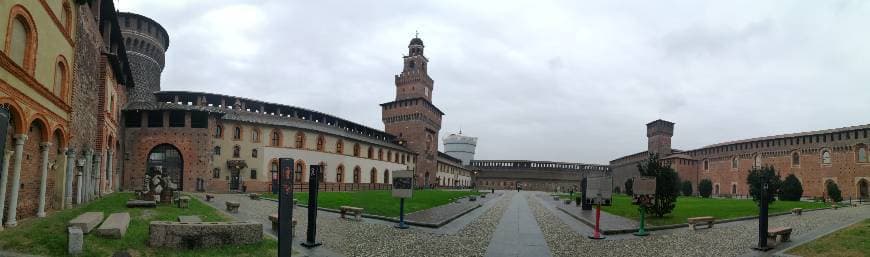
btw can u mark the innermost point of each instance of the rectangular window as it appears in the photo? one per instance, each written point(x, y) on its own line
point(133, 119)
point(176, 119)
point(199, 120)
point(216, 173)
point(253, 174)
point(155, 119)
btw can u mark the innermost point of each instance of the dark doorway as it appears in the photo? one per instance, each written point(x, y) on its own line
point(167, 159)
point(234, 180)
point(862, 189)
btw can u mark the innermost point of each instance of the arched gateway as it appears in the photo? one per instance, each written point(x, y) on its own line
point(167, 159)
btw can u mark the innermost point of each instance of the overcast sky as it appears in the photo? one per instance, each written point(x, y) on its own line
point(539, 80)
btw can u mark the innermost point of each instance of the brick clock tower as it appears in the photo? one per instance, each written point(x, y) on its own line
point(412, 117)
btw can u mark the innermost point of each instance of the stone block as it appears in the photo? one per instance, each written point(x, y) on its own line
point(183, 202)
point(115, 225)
point(87, 221)
point(141, 204)
point(191, 218)
point(232, 206)
point(76, 242)
point(203, 234)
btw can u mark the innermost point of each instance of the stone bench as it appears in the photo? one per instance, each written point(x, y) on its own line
point(115, 225)
point(87, 221)
point(254, 196)
point(555, 198)
point(834, 206)
point(141, 204)
point(190, 235)
point(208, 197)
point(701, 220)
point(232, 206)
point(783, 232)
point(350, 209)
point(797, 211)
point(274, 219)
point(183, 202)
point(567, 201)
point(472, 198)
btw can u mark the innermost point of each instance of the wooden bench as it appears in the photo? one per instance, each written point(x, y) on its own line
point(701, 220)
point(797, 211)
point(232, 206)
point(208, 197)
point(350, 209)
point(274, 219)
point(783, 232)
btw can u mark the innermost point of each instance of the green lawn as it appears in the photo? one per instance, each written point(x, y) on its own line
point(853, 241)
point(688, 207)
point(48, 236)
point(381, 202)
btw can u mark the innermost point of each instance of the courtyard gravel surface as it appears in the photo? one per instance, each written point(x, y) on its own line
point(378, 238)
point(733, 239)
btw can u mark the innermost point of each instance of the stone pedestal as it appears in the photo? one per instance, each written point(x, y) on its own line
point(76, 241)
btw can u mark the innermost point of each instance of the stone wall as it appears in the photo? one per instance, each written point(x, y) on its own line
point(189, 235)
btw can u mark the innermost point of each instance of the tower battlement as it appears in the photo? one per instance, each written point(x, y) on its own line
point(146, 42)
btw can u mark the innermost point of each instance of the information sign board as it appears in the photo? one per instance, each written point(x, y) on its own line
point(403, 183)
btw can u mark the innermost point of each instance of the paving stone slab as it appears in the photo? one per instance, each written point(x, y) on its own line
point(115, 225)
point(87, 221)
point(141, 203)
point(189, 218)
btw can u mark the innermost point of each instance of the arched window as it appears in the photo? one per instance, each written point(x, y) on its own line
point(371, 153)
point(299, 172)
point(217, 150)
point(356, 149)
point(339, 147)
point(862, 154)
point(356, 174)
point(706, 165)
point(254, 153)
point(60, 79)
point(733, 189)
point(237, 133)
point(339, 173)
point(218, 131)
point(373, 176)
point(734, 162)
point(389, 155)
point(795, 159)
point(321, 177)
point(236, 151)
point(274, 166)
point(386, 176)
point(320, 143)
point(826, 157)
point(381, 154)
point(21, 41)
point(276, 138)
point(300, 139)
point(255, 135)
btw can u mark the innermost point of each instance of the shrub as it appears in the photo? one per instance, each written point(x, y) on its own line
point(628, 186)
point(687, 188)
point(758, 176)
point(705, 188)
point(667, 185)
point(791, 189)
point(834, 192)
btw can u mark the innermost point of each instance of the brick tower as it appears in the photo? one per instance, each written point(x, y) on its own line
point(412, 117)
point(659, 133)
point(146, 42)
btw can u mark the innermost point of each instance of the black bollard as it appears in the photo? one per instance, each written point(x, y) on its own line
point(762, 222)
point(310, 239)
point(285, 207)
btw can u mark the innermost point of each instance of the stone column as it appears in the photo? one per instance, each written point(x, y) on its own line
point(43, 152)
point(86, 175)
point(4, 179)
point(98, 176)
point(109, 176)
point(68, 179)
point(16, 180)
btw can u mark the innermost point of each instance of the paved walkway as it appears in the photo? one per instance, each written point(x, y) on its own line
point(518, 234)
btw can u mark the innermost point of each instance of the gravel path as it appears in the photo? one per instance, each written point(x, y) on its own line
point(379, 238)
point(732, 240)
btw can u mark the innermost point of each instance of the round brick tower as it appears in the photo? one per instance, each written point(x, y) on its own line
point(146, 43)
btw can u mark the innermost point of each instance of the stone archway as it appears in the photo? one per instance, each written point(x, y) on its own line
point(167, 159)
point(862, 189)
